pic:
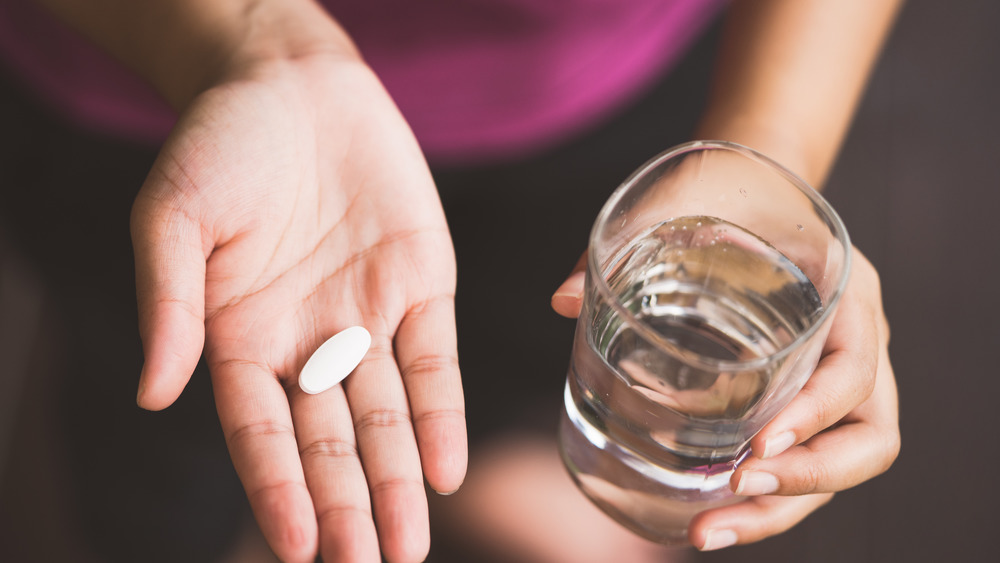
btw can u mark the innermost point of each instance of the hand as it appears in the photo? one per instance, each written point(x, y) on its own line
point(840, 430)
point(292, 202)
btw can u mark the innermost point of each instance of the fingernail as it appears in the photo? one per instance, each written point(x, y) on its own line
point(753, 483)
point(777, 444)
point(718, 539)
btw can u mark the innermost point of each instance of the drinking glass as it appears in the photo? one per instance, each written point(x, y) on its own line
point(712, 276)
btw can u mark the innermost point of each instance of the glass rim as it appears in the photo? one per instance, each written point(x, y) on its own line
point(839, 231)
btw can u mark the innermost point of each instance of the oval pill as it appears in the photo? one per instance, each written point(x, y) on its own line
point(334, 360)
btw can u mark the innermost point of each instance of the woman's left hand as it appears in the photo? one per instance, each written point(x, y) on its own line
point(839, 431)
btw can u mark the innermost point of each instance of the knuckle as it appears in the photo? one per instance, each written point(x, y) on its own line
point(822, 407)
point(425, 306)
point(812, 479)
point(185, 305)
point(328, 448)
point(863, 361)
point(379, 419)
point(275, 489)
point(255, 430)
point(217, 365)
point(340, 511)
point(398, 484)
point(440, 415)
point(868, 367)
point(429, 364)
point(380, 351)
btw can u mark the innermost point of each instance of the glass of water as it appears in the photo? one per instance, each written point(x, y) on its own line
point(713, 273)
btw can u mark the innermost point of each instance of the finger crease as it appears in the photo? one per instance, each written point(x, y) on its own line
point(399, 483)
point(328, 512)
point(440, 414)
point(275, 486)
point(429, 364)
point(420, 307)
point(257, 430)
point(330, 447)
point(382, 418)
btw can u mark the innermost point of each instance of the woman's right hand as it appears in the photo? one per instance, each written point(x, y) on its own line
point(291, 202)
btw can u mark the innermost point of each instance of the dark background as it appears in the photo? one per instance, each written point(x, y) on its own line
point(918, 184)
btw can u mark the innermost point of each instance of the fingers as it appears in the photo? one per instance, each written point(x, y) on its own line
point(844, 378)
point(388, 450)
point(386, 454)
point(427, 353)
point(333, 471)
point(170, 284)
point(864, 444)
point(751, 520)
point(845, 417)
point(257, 425)
point(568, 299)
point(840, 430)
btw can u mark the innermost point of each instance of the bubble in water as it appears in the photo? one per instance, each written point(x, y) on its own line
point(698, 224)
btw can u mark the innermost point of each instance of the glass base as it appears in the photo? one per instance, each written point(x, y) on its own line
point(653, 501)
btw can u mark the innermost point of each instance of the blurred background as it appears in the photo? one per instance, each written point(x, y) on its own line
point(918, 185)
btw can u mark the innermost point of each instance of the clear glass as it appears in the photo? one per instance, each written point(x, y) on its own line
point(713, 275)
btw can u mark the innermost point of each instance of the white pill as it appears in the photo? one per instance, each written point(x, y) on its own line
point(334, 360)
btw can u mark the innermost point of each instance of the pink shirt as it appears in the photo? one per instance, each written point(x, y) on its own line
point(476, 79)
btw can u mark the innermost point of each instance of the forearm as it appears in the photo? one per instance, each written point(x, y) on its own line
point(790, 74)
point(183, 46)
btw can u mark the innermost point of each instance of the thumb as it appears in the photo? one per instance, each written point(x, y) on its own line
point(568, 299)
point(170, 287)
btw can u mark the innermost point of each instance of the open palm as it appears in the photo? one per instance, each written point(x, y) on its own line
point(290, 203)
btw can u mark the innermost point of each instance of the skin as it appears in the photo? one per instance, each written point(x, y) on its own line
point(787, 84)
point(839, 431)
point(288, 204)
point(274, 255)
point(292, 198)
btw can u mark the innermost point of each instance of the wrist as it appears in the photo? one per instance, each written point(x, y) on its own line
point(183, 47)
point(265, 34)
point(782, 144)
